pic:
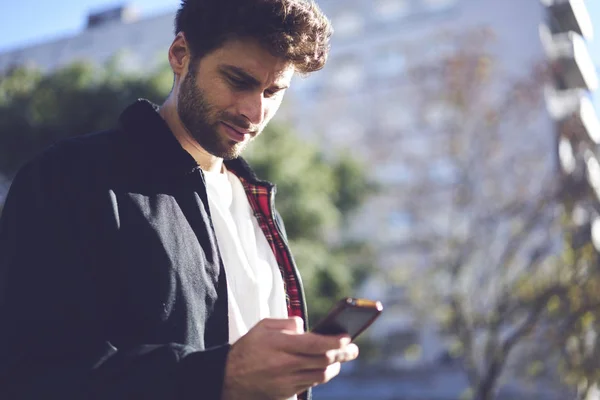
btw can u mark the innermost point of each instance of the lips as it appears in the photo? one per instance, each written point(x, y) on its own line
point(234, 134)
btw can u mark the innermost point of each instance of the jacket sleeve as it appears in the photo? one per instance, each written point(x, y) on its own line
point(54, 313)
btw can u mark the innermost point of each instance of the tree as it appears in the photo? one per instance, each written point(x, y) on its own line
point(576, 315)
point(487, 209)
point(316, 197)
point(37, 110)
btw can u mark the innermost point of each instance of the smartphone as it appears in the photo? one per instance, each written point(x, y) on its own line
point(350, 316)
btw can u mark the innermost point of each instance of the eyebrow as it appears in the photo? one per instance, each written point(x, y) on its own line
point(246, 76)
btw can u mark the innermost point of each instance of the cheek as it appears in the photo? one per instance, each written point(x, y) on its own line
point(222, 100)
point(217, 96)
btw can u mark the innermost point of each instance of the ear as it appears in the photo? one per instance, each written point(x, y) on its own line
point(179, 55)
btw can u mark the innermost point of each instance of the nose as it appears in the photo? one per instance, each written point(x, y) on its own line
point(253, 108)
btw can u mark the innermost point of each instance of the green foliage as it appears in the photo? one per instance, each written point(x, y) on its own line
point(36, 110)
point(535, 368)
point(316, 195)
point(352, 187)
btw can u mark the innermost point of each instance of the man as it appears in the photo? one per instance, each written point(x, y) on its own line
point(147, 261)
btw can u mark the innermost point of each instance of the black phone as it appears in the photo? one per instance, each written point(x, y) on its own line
point(350, 316)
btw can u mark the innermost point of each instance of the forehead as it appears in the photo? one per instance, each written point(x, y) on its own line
point(250, 56)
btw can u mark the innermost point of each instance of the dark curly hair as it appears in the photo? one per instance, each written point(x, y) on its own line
point(295, 30)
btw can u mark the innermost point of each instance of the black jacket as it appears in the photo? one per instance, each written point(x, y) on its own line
point(111, 283)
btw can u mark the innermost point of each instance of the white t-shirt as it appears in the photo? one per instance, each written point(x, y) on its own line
point(254, 281)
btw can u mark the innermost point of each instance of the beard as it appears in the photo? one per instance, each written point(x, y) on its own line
point(202, 121)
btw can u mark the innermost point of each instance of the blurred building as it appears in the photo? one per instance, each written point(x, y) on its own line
point(140, 44)
point(365, 100)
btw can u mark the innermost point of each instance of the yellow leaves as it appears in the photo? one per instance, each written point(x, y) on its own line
point(525, 289)
point(413, 352)
point(553, 304)
point(568, 255)
point(575, 298)
point(400, 275)
point(457, 349)
point(535, 368)
point(18, 82)
point(587, 320)
point(588, 251)
point(467, 394)
point(483, 68)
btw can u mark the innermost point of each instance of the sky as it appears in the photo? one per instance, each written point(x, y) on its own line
point(24, 22)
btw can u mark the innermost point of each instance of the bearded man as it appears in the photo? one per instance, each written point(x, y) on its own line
point(148, 261)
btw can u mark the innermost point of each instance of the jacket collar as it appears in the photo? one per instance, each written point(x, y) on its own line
point(154, 145)
point(150, 142)
point(242, 169)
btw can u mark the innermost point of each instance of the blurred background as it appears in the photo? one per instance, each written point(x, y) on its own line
point(448, 159)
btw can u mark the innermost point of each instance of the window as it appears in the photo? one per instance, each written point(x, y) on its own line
point(348, 24)
point(392, 9)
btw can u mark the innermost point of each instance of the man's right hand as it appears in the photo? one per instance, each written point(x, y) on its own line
point(276, 360)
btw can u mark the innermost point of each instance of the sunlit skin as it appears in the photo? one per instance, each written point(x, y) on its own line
point(224, 100)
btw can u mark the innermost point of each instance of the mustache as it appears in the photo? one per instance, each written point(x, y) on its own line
point(240, 122)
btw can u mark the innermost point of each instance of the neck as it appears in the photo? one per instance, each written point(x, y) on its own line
point(206, 161)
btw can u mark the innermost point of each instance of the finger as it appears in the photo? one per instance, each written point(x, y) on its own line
point(345, 354)
point(301, 362)
point(313, 344)
point(309, 378)
point(305, 362)
point(292, 324)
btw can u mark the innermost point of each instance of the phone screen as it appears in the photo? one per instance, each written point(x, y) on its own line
point(348, 317)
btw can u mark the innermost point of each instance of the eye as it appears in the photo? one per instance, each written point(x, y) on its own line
point(238, 83)
point(273, 92)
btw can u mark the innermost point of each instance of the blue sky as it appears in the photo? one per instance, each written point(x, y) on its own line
point(24, 22)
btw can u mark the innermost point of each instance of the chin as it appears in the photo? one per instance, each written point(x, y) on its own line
point(230, 153)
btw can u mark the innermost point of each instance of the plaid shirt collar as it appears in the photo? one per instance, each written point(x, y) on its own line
point(261, 198)
point(261, 195)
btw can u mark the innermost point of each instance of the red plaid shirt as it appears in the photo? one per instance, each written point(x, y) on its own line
point(261, 197)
